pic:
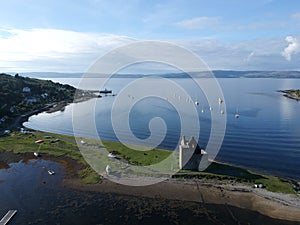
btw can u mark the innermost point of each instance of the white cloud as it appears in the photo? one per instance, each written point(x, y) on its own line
point(69, 51)
point(45, 49)
point(258, 54)
point(199, 22)
point(292, 48)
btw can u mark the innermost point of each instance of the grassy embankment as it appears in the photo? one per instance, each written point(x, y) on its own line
point(19, 143)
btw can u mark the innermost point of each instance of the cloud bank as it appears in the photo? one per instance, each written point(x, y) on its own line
point(292, 48)
point(47, 49)
point(53, 50)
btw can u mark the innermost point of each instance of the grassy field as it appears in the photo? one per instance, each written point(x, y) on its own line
point(227, 173)
point(62, 145)
point(141, 158)
point(54, 145)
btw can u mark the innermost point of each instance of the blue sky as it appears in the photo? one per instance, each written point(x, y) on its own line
point(69, 35)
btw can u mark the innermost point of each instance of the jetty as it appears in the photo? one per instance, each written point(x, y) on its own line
point(8, 216)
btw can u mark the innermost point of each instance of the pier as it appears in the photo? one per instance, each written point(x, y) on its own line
point(8, 216)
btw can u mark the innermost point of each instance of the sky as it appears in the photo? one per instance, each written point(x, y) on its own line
point(70, 35)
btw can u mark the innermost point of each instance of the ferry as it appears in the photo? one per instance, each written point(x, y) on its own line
point(105, 91)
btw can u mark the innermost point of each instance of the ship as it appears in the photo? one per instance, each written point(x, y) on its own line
point(106, 91)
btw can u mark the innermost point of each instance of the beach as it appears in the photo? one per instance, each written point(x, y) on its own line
point(275, 205)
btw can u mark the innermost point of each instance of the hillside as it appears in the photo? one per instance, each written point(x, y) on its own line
point(20, 95)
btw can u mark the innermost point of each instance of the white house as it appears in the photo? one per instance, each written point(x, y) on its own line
point(30, 100)
point(44, 95)
point(26, 89)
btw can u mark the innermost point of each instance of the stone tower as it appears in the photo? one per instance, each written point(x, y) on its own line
point(191, 156)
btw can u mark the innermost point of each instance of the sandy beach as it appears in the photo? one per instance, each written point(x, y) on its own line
point(275, 205)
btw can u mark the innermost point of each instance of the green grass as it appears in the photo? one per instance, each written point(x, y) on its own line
point(89, 176)
point(67, 147)
point(22, 143)
point(138, 157)
point(275, 184)
point(224, 172)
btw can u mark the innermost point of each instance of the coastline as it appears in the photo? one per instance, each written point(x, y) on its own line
point(274, 205)
point(199, 190)
point(49, 108)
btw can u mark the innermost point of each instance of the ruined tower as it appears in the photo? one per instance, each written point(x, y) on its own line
point(191, 156)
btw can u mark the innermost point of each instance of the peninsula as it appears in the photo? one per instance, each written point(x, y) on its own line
point(292, 93)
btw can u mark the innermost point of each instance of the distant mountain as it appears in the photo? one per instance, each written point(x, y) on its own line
point(257, 74)
point(217, 73)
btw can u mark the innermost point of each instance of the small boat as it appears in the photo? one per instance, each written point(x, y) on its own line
point(196, 103)
point(210, 108)
point(36, 154)
point(105, 91)
point(222, 111)
point(51, 172)
point(220, 101)
point(111, 155)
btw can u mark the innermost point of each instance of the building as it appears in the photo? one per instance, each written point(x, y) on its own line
point(26, 89)
point(30, 100)
point(191, 156)
point(44, 95)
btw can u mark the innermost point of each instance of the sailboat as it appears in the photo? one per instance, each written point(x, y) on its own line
point(237, 115)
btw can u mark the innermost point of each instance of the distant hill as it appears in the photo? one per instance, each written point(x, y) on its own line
point(217, 73)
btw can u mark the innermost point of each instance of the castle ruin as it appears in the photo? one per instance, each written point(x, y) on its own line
point(191, 156)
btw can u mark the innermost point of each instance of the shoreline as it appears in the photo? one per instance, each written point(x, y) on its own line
point(274, 205)
point(207, 191)
point(203, 190)
point(48, 108)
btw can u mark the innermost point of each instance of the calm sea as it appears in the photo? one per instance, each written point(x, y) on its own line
point(265, 138)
